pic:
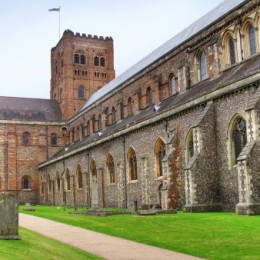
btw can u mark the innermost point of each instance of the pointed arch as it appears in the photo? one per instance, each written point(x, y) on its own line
point(149, 97)
point(58, 180)
point(159, 151)
point(93, 168)
point(67, 178)
point(237, 137)
point(189, 143)
point(250, 37)
point(132, 164)
point(79, 177)
point(110, 169)
point(230, 49)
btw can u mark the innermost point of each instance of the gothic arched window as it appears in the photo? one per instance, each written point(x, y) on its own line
point(111, 169)
point(79, 177)
point(132, 163)
point(172, 82)
point(189, 146)
point(252, 42)
point(67, 176)
point(202, 65)
point(239, 136)
point(130, 106)
point(58, 181)
point(149, 97)
point(113, 114)
point(232, 52)
point(159, 154)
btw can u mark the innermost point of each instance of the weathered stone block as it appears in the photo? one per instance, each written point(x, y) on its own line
point(8, 217)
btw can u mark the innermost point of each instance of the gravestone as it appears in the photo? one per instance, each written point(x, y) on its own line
point(8, 217)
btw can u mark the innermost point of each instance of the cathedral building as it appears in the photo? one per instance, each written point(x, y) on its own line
point(178, 130)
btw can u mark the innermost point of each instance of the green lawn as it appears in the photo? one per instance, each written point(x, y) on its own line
point(207, 235)
point(34, 246)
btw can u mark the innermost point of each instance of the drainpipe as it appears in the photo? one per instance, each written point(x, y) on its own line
point(125, 171)
point(47, 145)
point(5, 157)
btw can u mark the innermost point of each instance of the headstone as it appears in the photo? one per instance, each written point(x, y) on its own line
point(8, 217)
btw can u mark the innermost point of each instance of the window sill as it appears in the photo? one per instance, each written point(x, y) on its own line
point(26, 189)
point(133, 181)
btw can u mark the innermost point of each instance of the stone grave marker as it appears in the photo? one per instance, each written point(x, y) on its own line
point(8, 217)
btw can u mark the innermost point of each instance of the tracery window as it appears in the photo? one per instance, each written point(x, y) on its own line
point(239, 136)
point(252, 40)
point(111, 169)
point(132, 163)
point(26, 138)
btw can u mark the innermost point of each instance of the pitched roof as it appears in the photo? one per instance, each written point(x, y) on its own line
point(206, 20)
point(29, 109)
point(229, 76)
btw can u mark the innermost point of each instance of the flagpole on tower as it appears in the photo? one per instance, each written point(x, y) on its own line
point(59, 22)
point(56, 10)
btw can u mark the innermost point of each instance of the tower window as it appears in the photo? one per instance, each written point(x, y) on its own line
point(82, 59)
point(76, 58)
point(96, 61)
point(81, 92)
point(102, 62)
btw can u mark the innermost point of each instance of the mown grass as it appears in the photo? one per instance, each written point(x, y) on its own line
point(35, 246)
point(207, 235)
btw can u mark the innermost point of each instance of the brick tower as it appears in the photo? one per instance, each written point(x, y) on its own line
point(80, 65)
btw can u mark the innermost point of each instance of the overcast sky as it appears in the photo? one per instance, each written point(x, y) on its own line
point(28, 32)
